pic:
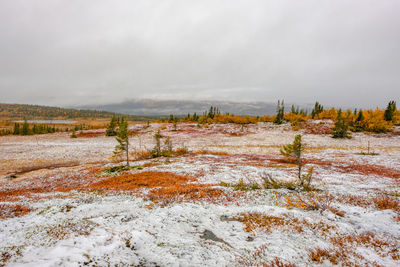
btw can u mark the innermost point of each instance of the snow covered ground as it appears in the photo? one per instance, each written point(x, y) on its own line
point(54, 213)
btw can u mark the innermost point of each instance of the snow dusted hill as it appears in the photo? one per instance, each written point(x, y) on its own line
point(150, 107)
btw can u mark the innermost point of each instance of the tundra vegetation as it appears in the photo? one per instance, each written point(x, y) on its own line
point(212, 188)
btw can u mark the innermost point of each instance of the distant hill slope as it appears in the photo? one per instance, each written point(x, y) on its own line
point(21, 111)
point(165, 107)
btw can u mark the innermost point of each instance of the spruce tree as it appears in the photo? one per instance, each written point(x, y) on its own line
point(318, 108)
point(157, 148)
point(16, 128)
point(111, 129)
point(280, 113)
point(340, 130)
point(25, 128)
point(295, 151)
point(389, 112)
point(123, 140)
point(293, 110)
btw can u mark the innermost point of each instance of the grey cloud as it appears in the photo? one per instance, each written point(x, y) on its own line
point(85, 52)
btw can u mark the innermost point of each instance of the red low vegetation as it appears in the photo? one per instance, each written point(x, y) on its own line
point(352, 167)
point(90, 134)
point(166, 186)
point(148, 179)
point(61, 182)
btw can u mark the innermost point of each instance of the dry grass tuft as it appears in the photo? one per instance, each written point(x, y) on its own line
point(380, 202)
point(385, 202)
point(383, 246)
point(207, 152)
point(277, 263)
point(257, 258)
point(255, 221)
point(185, 192)
point(67, 228)
point(13, 210)
point(320, 255)
point(336, 211)
point(305, 201)
point(345, 247)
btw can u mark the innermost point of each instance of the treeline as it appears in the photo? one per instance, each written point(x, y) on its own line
point(357, 120)
point(43, 112)
point(26, 128)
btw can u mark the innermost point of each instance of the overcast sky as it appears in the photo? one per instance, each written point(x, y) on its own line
point(340, 52)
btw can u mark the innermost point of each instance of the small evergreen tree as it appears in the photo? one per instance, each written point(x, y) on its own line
point(340, 130)
point(389, 111)
point(73, 135)
point(157, 148)
point(294, 110)
point(25, 128)
point(318, 108)
point(123, 140)
point(358, 124)
point(295, 151)
point(280, 113)
point(111, 129)
point(360, 116)
point(16, 128)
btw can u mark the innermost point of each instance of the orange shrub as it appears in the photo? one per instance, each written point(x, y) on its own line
point(386, 202)
point(295, 118)
point(268, 118)
point(327, 114)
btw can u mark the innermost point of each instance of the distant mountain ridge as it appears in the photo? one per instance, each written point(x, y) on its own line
point(148, 107)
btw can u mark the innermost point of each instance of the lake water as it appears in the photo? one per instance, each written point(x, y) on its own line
point(48, 121)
